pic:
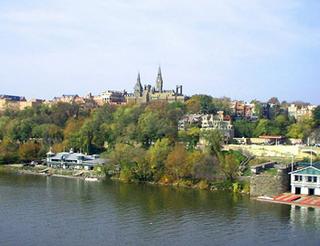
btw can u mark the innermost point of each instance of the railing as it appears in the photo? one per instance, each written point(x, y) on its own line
point(304, 183)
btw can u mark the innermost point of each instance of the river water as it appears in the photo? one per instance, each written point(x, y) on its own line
point(36, 210)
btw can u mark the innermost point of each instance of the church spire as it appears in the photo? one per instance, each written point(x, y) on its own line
point(159, 81)
point(138, 87)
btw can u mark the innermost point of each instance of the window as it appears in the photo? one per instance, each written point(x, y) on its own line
point(297, 178)
point(309, 178)
point(315, 179)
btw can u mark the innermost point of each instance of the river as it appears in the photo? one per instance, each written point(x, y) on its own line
point(36, 210)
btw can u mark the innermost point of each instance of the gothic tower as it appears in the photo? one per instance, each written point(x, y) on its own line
point(159, 81)
point(138, 87)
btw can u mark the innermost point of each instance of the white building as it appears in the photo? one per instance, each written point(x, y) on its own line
point(217, 122)
point(306, 181)
point(71, 160)
point(299, 111)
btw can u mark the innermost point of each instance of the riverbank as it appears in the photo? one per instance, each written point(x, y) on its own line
point(41, 170)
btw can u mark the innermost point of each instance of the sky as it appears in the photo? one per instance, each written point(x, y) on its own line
point(244, 49)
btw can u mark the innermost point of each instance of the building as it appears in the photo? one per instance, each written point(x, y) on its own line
point(300, 111)
point(17, 103)
point(148, 93)
point(242, 110)
point(306, 181)
point(71, 160)
point(111, 97)
point(218, 122)
point(72, 99)
point(190, 120)
point(30, 103)
point(273, 140)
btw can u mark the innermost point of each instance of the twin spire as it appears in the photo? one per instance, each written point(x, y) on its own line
point(138, 89)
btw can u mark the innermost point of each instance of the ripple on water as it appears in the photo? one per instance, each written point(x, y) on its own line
point(56, 211)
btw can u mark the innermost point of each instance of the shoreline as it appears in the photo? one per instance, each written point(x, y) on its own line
point(63, 173)
point(59, 173)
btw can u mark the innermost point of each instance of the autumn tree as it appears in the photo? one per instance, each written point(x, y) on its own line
point(29, 151)
point(214, 141)
point(176, 163)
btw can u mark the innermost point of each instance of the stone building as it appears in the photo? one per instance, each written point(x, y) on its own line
point(17, 102)
point(148, 93)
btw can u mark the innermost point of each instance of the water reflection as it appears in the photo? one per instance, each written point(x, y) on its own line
point(305, 217)
point(42, 209)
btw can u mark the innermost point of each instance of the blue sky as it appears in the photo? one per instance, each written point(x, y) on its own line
point(242, 49)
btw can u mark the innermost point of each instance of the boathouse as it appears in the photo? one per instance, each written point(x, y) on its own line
point(71, 160)
point(306, 181)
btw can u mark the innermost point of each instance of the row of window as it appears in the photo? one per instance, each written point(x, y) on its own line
point(311, 179)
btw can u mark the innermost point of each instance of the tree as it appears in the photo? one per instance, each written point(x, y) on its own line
point(176, 163)
point(193, 104)
point(20, 130)
point(29, 151)
point(282, 122)
point(190, 137)
point(8, 151)
point(129, 162)
point(222, 104)
point(158, 153)
point(316, 115)
point(229, 165)
point(203, 165)
point(151, 126)
point(274, 100)
point(49, 133)
point(244, 128)
point(206, 105)
point(301, 129)
point(266, 127)
point(4, 120)
point(214, 141)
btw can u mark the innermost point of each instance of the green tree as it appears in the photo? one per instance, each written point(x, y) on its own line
point(49, 133)
point(301, 129)
point(190, 137)
point(214, 141)
point(206, 105)
point(244, 128)
point(157, 155)
point(266, 127)
point(316, 115)
point(4, 120)
point(229, 165)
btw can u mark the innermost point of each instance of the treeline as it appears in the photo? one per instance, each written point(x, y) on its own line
point(142, 141)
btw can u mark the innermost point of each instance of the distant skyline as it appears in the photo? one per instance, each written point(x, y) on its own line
point(242, 49)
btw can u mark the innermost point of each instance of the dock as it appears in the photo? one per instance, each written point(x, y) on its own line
point(293, 199)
